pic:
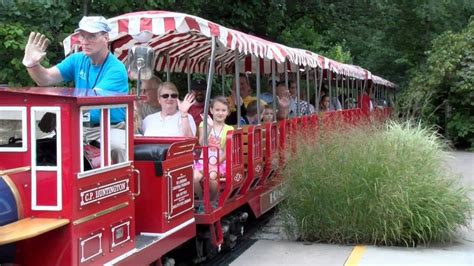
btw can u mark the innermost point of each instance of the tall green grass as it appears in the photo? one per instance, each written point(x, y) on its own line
point(374, 185)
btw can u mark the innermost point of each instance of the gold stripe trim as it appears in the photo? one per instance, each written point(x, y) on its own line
point(16, 194)
point(15, 170)
point(99, 214)
point(356, 256)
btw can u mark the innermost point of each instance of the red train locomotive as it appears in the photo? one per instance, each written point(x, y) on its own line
point(65, 200)
point(71, 204)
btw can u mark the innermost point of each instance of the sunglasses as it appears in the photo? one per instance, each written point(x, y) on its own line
point(166, 96)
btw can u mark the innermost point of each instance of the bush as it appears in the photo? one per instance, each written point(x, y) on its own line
point(374, 185)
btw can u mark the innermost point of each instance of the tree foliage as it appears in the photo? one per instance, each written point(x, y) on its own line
point(442, 90)
point(389, 38)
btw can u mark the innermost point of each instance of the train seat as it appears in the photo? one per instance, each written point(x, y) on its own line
point(151, 152)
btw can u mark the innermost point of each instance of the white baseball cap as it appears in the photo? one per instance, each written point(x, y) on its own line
point(93, 24)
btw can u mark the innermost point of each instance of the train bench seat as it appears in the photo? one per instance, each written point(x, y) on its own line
point(152, 152)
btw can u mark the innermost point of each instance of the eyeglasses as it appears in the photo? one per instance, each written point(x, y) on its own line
point(166, 96)
point(89, 37)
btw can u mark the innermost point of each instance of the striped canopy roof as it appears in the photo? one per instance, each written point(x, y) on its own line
point(186, 41)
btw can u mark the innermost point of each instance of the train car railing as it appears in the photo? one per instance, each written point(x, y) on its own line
point(314, 119)
point(235, 177)
point(253, 156)
point(271, 155)
point(283, 129)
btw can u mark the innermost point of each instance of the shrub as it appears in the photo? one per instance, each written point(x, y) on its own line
point(374, 185)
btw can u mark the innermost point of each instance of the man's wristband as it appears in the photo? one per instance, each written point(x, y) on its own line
point(184, 116)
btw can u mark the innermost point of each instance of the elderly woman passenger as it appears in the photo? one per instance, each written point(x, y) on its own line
point(173, 120)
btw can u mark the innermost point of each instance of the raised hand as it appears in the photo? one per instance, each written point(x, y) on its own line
point(283, 102)
point(35, 49)
point(186, 103)
point(210, 122)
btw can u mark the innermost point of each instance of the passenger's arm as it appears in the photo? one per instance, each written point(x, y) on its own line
point(210, 124)
point(201, 136)
point(45, 76)
point(186, 129)
point(187, 119)
point(35, 51)
point(283, 108)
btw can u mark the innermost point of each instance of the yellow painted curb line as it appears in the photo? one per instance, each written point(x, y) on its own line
point(356, 256)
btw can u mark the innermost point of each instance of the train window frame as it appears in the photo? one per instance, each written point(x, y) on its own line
point(104, 166)
point(24, 130)
point(127, 158)
point(35, 168)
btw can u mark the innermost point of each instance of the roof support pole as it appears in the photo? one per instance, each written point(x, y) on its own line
point(330, 89)
point(223, 78)
point(337, 90)
point(188, 74)
point(353, 95)
point(348, 92)
point(321, 76)
point(342, 91)
point(209, 87)
point(376, 92)
point(167, 67)
point(258, 90)
point(272, 63)
point(237, 87)
point(297, 91)
point(308, 111)
point(316, 92)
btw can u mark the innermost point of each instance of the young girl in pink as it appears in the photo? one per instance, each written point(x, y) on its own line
point(217, 132)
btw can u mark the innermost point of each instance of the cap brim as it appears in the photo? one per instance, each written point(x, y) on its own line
point(89, 29)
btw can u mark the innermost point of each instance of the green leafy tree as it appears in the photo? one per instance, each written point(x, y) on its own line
point(16, 23)
point(11, 52)
point(441, 91)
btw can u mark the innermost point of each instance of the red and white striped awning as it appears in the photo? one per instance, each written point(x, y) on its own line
point(380, 81)
point(332, 65)
point(355, 71)
point(186, 40)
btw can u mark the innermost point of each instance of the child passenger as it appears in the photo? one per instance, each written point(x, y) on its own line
point(217, 132)
point(267, 116)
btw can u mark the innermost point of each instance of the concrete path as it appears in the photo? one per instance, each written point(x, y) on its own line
point(285, 252)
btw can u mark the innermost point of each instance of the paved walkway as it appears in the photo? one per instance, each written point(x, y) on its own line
point(286, 252)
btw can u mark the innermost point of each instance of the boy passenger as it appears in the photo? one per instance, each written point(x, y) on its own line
point(252, 116)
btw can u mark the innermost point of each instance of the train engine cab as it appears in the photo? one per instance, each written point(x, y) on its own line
point(67, 182)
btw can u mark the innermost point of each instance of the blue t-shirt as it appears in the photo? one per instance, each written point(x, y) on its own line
point(110, 78)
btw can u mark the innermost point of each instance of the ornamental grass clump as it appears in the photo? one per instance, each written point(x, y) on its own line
point(375, 185)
